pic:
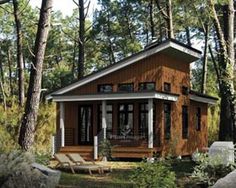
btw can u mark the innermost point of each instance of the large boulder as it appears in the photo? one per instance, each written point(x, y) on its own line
point(223, 152)
point(33, 176)
point(228, 181)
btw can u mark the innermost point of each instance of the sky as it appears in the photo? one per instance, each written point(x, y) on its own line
point(65, 6)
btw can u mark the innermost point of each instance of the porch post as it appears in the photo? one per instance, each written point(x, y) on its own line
point(104, 114)
point(150, 123)
point(62, 123)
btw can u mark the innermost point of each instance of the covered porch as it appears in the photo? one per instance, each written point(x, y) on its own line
point(132, 122)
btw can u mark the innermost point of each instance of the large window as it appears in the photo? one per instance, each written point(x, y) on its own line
point(184, 122)
point(147, 86)
point(109, 119)
point(128, 87)
point(167, 120)
point(143, 119)
point(125, 119)
point(198, 119)
point(105, 88)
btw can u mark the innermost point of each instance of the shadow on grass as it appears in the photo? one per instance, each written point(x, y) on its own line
point(117, 178)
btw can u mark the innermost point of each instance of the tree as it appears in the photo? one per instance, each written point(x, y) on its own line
point(20, 60)
point(29, 119)
point(226, 69)
point(167, 15)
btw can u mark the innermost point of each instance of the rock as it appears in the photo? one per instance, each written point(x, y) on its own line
point(51, 177)
point(223, 152)
point(33, 176)
point(228, 181)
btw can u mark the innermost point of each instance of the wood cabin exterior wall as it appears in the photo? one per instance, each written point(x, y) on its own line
point(158, 68)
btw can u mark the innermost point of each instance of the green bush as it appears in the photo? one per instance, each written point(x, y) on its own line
point(209, 170)
point(155, 174)
point(105, 148)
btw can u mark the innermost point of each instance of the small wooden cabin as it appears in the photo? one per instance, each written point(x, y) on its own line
point(142, 104)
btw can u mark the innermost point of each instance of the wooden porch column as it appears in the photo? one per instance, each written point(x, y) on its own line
point(150, 123)
point(104, 114)
point(62, 123)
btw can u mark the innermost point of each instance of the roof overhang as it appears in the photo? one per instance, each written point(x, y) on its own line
point(116, 96)
point(169, 47)
point(203, 99)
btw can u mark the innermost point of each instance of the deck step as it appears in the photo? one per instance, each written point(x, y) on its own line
point(85, 151)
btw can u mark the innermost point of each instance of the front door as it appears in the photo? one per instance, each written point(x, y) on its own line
point(85, 125)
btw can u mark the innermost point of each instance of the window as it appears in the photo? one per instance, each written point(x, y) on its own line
point(108, 118)
point(147, 86)
point(198, 119)
point(105, 88)
point(126, 87)
point(143, 119)
point(125, 119)
point(184, 122)
point(167, 87)
point(167, 120)
point(184, 90)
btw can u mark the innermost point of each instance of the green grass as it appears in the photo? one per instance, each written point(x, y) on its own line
point(120, 176)
point(117, 178)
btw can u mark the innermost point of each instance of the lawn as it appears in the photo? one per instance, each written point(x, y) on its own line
point(120, 176)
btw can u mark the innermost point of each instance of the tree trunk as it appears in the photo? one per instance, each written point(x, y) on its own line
point(20, 61)
point(29, 119)
point(188, 36)
point(151, 19)
point(226, 65)
point(169, 20)
point(204, 64)
point(81, 39)
point(9, 60)
point(167, 15)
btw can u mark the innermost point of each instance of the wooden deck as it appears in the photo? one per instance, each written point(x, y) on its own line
point(117, 151)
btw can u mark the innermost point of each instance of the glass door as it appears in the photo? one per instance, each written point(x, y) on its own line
point(85, 125)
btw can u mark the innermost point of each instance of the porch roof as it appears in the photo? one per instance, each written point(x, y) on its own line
point(117, 96)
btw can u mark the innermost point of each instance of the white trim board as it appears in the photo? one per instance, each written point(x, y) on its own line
point(126, 62)
point(202, 99)
point(116, 96)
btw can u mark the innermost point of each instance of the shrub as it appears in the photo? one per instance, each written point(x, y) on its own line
point(155, 174)
point(209, 170)
point(105, 148)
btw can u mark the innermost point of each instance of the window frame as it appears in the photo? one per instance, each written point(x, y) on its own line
point(198, 119)
point(101, 85)
point(123, 84)
point(145, 86)
point(126, 112)
point(169, 87)
point(167, 136)
point(185, 123)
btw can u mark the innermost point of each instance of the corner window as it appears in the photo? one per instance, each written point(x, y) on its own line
point(167, 120)
point(147, 86)
point(105, 88)
point(167, 87)
point(126, 87)
point(125, 119)
point(185, 90)
point(184, 122)
point(198, 119)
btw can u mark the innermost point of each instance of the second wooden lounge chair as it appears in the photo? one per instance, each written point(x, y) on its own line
point(76, 158)
point(64, 161)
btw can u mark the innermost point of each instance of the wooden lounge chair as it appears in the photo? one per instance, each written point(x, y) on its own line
point(76, 158)
point(64, 161)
